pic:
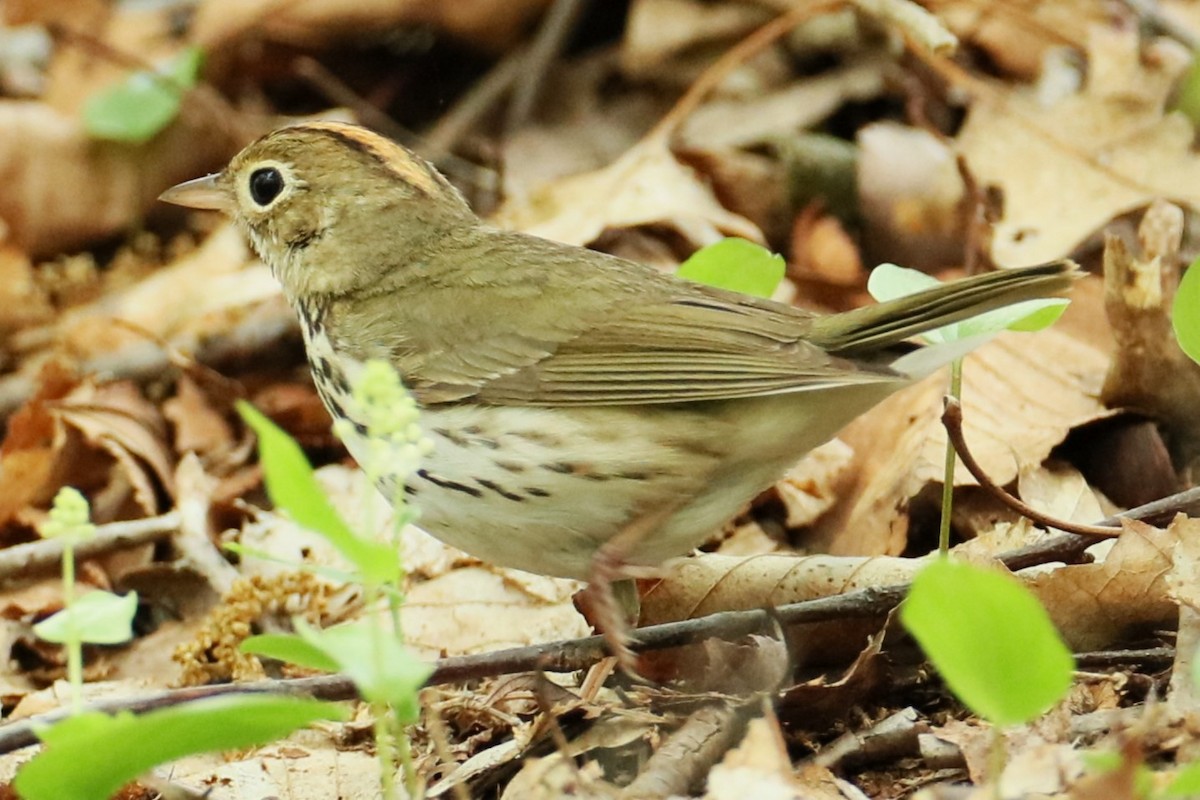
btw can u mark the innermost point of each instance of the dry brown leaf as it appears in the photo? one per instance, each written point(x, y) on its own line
point(1059, 490)
point(46, 208)
point(1184, 581)
point(1094, 605)
point(196, 296)
point(476, 610)
point(645, 186)
point(661, 33)
point(1022, 394)
point(1017, 36)
point(129, 37)
point(556, 776)
point(28, 454)
point(118, 420)
point(750, 184)
point(823, 250)
point(760, 767)
point(586, 127)
point(910, 195)
point(762, 118)
point(1111, 144)
point(708, 583)
point(817, 703)
point(492, 24)
point(1124, 782)
point(22, 301)
point(809, 488)
point(307, 765)
point(199, 428)
point(458, 607)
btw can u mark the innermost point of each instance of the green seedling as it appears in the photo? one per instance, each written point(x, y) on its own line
point(139, 107)
point(737, 265)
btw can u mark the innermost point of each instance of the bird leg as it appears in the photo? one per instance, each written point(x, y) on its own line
point(609, 565)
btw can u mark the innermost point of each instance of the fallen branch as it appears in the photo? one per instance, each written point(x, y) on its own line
point(45, 555)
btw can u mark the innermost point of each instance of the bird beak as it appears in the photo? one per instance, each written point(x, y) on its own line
point(199, 193)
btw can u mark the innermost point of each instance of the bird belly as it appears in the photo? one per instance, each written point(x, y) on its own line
point(541, 489)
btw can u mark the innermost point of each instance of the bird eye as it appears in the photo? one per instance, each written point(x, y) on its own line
point(265, 185)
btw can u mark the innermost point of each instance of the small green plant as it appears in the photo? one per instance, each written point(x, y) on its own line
point(1185, 313)
point(79, 762)
point(737, 265)
point(91, 755)
point(888, 282)
point(992, 642)
point(990, 639)
point(386, 673)
point(1187, 94)
point(96, 618)
point(146, 102)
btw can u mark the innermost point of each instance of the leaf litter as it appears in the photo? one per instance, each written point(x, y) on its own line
point(1067, 134)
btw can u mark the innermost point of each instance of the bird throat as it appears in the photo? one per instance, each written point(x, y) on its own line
point(329, 367)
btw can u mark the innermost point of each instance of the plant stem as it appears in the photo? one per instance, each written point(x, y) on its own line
point(956, 371)
point(73, 644)
point(385, 749)
point(997, 760)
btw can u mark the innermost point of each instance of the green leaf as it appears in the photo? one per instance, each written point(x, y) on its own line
point(92, 755)
point(1186, 782)
point(990, 639)
point(891, 281)
point(737, 265)
point(290, 648)
point(97, 617)
point(1185, 314)
point(293, 487)
point(1187, 93)
point(382, 668)
point(888, 282)
point(136, 109)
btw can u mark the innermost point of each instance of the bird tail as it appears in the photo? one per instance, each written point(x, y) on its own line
point(875, 328)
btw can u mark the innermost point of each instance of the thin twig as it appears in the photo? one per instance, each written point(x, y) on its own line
point(475, 103)
point(744, 50)
point(952, 420)
point(26, 560)
point(576, 654)
point(336, 90)
point(547, 44)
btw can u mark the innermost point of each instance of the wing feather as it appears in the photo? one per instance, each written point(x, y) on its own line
point(632, 334)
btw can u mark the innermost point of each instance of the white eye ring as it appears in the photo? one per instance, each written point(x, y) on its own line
point(266, 184)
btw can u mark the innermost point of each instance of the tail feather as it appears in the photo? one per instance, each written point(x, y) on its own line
point(876, 327)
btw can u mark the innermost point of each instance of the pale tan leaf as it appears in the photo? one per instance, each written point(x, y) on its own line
point(119, 420)
point(760, 767)
point(1059, 490)
point(645, 186)
point(48, 208)
point(1111, 144)
point(1022, 394)
point(809, 488)
point(1094, 604)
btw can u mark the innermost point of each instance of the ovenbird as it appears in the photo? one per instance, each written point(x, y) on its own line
point(578, 403)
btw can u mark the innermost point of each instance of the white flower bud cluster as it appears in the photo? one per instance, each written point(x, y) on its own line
point(394, 443)
point(70, 517)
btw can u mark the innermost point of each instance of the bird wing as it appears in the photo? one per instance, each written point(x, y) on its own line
point(692, 347)
point(584, 332)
